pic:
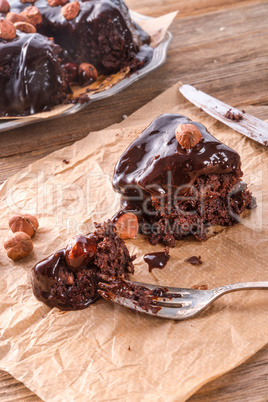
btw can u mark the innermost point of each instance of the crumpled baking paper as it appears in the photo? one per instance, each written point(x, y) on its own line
point(107, 352)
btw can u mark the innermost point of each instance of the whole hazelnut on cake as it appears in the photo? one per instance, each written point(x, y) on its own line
point(87, 73)
point(15, 17)
point(7, 30)
point(79, 251)
point(70, 10)
point(24, 223)
point(25, 27)
point(56, 3)
point(127, 226)
point(19, 245)
point(4, 6)
point(187, 135)
point(32, 15)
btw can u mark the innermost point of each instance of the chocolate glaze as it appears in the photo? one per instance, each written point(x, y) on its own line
point(68, 279)
point(102, 34)
point(156, 260)
point(156, 165)
point(30, 75)
point(46, 274)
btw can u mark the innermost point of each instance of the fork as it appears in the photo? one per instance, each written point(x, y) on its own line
point(163, 301)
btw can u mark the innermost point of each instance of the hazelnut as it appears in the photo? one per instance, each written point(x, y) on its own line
point(15, 17)
point(24, 223)
point(87, 73)
point(25, 27)
point(79, 251)
point(32, 15)
point(71, 71)
point(187, 135)
point(127, 226)
point(70, 280)
point(18, 245)
point(4, 6)
point(7, 30)
point(55, 3)
point(27, 1)
point(70, 10)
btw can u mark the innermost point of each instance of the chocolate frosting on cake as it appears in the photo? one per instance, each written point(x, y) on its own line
point(30, 74)
point(156, 165)
point(102, 34)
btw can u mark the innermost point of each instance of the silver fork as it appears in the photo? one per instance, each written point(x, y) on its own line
point(166, 302)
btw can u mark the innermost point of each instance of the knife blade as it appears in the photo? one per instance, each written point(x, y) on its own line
point(243, 122)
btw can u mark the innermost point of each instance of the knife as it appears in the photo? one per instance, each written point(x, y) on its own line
point(242, 122)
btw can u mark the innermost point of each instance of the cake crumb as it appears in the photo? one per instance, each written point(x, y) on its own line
point(233, 116)
point(66, 161)
point(194, 260)
point(200, 287)
point(129, 348)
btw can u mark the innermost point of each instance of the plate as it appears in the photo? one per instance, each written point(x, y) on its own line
point(159, 57)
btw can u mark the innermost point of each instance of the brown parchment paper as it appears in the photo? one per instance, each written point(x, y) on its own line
point(155, 27)
point(107, 352)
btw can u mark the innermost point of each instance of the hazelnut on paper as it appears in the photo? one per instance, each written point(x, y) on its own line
point(19, 245)
point(24, 223)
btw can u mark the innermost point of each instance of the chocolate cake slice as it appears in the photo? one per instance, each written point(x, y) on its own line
point(68, 279)
point(179, 180)
point(31, 77)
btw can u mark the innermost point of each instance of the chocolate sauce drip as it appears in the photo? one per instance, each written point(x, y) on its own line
point(156, 260)
point(156, 165)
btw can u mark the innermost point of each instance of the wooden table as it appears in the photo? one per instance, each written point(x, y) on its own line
point(220, 46)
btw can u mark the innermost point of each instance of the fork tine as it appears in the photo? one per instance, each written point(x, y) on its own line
point(166, 289)
point(156, 300)
point(184, 292)
point(156, 311)
point(120, 300)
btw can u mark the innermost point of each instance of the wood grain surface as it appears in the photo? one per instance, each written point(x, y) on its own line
point(219, 46)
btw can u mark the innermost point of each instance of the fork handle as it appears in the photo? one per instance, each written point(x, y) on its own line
point(239, 286)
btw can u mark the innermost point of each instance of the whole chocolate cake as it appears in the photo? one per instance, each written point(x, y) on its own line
point(94, 37)
point(179, 180)
point(68, 279)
